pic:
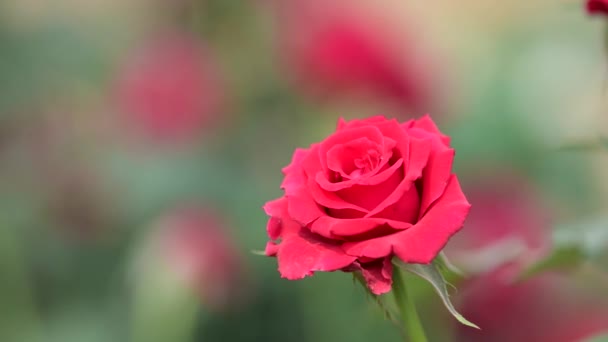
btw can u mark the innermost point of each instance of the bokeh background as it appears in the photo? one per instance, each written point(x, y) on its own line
point(139, 140)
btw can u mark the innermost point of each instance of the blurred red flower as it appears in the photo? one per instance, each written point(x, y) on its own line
point(197, 248)
point(597, 7)
point(508, 223)
point(333, 48)
point(546, 308)
point(170, 87)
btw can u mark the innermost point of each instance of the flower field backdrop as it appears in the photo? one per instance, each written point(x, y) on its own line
point(140, 139)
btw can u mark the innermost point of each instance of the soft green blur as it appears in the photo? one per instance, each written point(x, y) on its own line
point(79, 200)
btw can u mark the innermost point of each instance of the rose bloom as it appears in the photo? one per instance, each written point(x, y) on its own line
point(335, 49)
point(546, 308)
point(374, 189)
point(508, 223)
point(169, 87)
point(597, 7)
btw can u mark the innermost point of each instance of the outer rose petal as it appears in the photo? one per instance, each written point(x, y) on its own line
point(301, 252)
point(294, 173)
point(342, 124)
point(301, 255)
point(420, 243)
point(303, 208)
point(437, 172)
point(427, 124)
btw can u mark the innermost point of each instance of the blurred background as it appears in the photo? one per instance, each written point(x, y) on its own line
point(139, 140)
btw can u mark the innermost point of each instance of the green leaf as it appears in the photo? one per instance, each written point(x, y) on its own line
point(562, 258)
point(430, 273)
point(258, 252)
point(379, 300)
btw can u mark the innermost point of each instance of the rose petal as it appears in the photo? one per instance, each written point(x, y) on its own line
point(271, 249)
point(435, 178)
point(343, 124)
point(420, 151)
point(303, 208)
point(406, 209)
point(329, 199)
point(273, 228)
point(301, 252)
point(437, 171)
point(373, 180)
point(342, 158)
point(335, 227)
point(294, 172)
point(347, 135)
point(275, 207)
point(369, 197)
point(427, 124)
point(421, 242)
point(398, 193)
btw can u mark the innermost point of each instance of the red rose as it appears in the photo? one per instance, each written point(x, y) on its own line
point(336, 48)
point(372, 190)
point(597, 7)
point(549, 307)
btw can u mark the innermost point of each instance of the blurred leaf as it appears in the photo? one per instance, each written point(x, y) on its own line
point(574, 245)
point(431, 274)
point(562, 258)
point(590, 236)
point(591, 145)
point(35, 65)
point(77, 325)
point(18, 313)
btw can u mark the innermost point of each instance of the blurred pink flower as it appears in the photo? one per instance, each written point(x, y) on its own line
point(546, 308)
point(597, 7)
point(508, 223)
point(170, 87)
point(332, 49)
point(198, 249)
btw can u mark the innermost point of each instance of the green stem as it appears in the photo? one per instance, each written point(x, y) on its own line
point(409, 316)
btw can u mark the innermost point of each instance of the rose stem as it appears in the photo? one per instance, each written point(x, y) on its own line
point(409, 315)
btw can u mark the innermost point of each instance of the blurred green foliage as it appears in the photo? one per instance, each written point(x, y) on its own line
point(58, 284)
